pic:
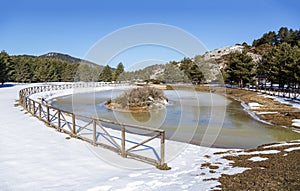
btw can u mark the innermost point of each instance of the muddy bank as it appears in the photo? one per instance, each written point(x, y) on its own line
point(275, 171)
point(268, 110)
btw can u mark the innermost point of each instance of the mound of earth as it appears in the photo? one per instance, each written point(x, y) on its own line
point(140, 99)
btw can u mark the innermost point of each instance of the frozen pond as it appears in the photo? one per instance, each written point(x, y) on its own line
point(200, 118)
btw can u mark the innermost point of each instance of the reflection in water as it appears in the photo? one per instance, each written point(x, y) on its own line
point(141, 117)
point(198, 117)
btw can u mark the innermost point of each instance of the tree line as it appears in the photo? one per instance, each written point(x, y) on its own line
point(279, 63)
point(186, 71)
point(30, 69)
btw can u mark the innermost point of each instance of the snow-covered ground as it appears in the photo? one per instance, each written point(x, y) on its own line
point(287, 101)
point(36, 157)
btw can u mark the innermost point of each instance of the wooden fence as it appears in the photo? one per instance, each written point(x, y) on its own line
point(285, 93)
point(94, 130)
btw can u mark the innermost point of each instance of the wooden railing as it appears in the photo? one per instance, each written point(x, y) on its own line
point(284, 93)
point(94, 130)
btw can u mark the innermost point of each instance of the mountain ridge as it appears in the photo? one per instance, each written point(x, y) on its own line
point(68, 58)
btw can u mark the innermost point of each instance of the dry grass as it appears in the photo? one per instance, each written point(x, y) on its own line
point(285, 115)
point(279, 172)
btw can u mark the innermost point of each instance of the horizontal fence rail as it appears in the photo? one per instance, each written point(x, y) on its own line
point(293, 94)
point(94, 130)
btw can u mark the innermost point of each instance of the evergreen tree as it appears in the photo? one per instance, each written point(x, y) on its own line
point(106, 74)
point(23, 72)
point(239, 68)
point(281, 65)
point(118, 72)
point(194, 74)
point(172, 74)
point(6, 69)
point(84, 73)
point(267, 38)
point(191, 70)
point(283, 35)
point(69, 72)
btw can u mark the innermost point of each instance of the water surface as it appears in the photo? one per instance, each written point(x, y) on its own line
point(201, 118)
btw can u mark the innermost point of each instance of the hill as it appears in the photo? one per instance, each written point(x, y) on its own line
point(67, 58)
point(209, 63)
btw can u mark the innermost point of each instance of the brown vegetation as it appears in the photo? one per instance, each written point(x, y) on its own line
point(137, 100)
point(279, 172)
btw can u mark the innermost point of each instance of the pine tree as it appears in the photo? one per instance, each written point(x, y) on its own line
point(196, 75)
point(106, 74)
point(239, 68)
point(281, 65)
point(6, 70)
point(118, 72)
point(69, 72)
point(23, 72)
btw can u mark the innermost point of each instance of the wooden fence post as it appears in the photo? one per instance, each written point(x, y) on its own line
point(73, 124)
point(28, 104)
point(48, 113)
point(33, 108)
point(25, 102)
point(58, 118)
point(94, 132)
point(123, 149)
point(162, 148)
point(40, 111)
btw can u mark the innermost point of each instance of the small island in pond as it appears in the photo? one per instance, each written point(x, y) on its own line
point(142, 99)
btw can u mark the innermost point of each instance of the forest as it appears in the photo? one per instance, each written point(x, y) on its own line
point(31, 69)
point(279, 63)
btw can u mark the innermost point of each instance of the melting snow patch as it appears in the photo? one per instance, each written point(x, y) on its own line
point(296, 122)
point(256, 159)
point(259, 152)
point(279, 145)
point(266, 113)
point(292, 149)
point(254, 105)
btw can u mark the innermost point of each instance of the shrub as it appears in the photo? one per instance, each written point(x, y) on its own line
point(139, 97)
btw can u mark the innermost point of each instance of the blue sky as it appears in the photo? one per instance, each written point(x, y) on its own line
point(73, 27)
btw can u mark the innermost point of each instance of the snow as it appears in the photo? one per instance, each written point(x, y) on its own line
point(284, 101)
point(256, 159)
point(36, 157)
point(280, 145)
point(267, 113)
point(264, 152)
point(292, 149)
point(254, 105)
point(247, 108)
point(296, 122)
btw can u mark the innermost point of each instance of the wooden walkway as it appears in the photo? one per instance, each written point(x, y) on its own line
point(94, 130)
